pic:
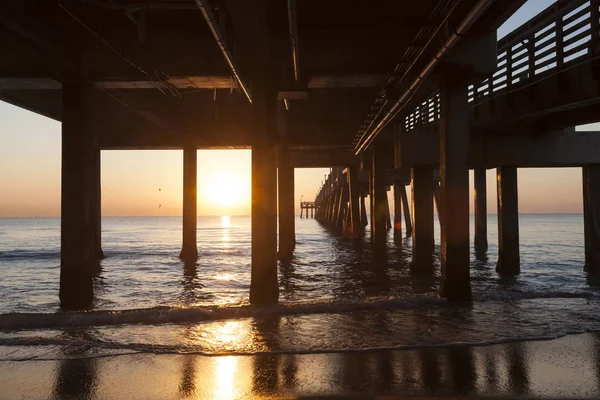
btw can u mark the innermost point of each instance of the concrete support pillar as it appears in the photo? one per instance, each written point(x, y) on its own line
point(481, 243)
point(264, 288)
point(79, 198)
point(364, 220)
point(406, 208)
point(98, 253)
point(454, 194)
point(355, 225)
point(379, 203)
point(388, 219)
point(508, 222)
point(189, 248)
point(287, 235)
point(397, 212)
point(422, 213)
point(591, 217)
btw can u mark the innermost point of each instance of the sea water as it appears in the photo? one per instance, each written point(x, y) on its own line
point(333, 297)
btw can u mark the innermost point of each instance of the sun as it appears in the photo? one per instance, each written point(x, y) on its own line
point(225, 188)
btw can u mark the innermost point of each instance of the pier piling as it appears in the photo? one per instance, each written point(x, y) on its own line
point(264, 288)
point(287, 236)
point(189, 249)
point(591, 217)
point(508, 221)
point(453, 203)
point(481, 242)
point(422, 204)
point(380, 211)
point(397, 212)
point(355, 228)
point(79, 182)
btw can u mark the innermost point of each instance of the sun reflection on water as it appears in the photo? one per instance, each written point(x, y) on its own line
point(225, 221)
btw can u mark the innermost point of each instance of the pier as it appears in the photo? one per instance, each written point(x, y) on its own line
point(392, 96)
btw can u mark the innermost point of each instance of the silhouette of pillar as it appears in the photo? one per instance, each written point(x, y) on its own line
point(355, 227)
point(287, 238)
point(364, 220)
point(264, 288)
point(422, 204)
point(78, 190)
point(591, 217)
point(454, 194)
point(189, 248)
point(481, 243)
point(397, 213)
point(508, 221)
point(406, 208)
point(388, 219)
point(98, 253)
point(379, 203)
point(343, 200)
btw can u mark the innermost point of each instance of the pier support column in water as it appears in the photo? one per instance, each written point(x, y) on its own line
point(481, 243)
point(355, 228)
point(422, 204)
point(508, 222)
point(189, 248)
point(364, 219)
point(406, 208)
point(98, 253)
point(78, 197)
point(453, 205)
point(397, 213)
point(591, 217)
point(287, 236)
point(380, 209)
point(264, 287)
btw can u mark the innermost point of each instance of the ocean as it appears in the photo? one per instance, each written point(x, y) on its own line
point(333, 297)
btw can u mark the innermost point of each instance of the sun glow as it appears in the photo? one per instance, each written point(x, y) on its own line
point(225, 188)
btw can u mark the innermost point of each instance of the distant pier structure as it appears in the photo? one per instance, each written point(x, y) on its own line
point(305, 207)
point(391, 95)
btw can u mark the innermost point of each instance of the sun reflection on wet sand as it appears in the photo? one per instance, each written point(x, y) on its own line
point(225, 371)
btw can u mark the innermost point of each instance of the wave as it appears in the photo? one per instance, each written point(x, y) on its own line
point(80, 348)
point(165, 315)
point(26, 254)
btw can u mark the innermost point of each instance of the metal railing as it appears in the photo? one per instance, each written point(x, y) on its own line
point(563, 35)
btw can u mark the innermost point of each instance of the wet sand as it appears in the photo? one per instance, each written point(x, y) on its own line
point(567, 367)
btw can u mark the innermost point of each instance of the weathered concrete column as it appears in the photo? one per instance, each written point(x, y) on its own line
point(264, 288)
point(508, 222)
point(364, 220)
point(354, 194)
point(481, 243)
point(422, 205)
point(397, 213)
point(189, 248)
point(454, 192)
point(591, 217)
point(379, 203)
point(98, 253)
point(287, 235)
point(388, 219)
point(78, 191)
point(406, 208)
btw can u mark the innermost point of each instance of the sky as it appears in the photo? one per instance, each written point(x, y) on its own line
point(145, 182)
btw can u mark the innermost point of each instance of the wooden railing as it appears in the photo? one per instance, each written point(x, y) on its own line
point(565, 34)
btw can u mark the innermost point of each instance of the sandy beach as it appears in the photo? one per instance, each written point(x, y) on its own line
point(567, 367)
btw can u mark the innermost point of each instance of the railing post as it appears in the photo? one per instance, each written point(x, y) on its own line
point(531, 55)
point(560, 58)
point(509, 71)
point(595, 26)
